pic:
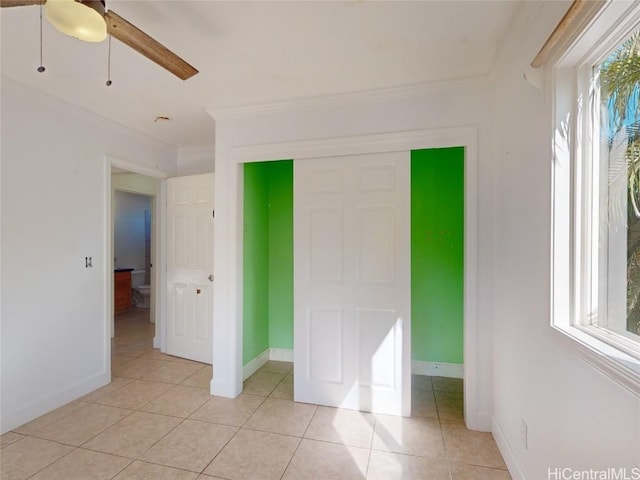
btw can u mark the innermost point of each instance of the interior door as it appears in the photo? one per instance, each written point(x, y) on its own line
point(190, 267)
point(352, 295)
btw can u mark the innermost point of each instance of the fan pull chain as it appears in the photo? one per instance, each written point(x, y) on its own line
point(41, 67)
point(109, 64)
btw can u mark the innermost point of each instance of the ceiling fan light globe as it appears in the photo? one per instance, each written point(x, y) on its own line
point(77, 19)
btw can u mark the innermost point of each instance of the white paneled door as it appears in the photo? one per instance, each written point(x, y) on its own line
point(190, 267)
point(352, 294)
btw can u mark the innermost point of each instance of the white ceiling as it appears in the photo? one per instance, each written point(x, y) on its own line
point(252, 53)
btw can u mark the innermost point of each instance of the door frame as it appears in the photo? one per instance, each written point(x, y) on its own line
point(228, 261)
point(159, 340)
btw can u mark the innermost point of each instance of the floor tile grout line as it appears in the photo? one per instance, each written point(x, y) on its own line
point(123, 469)
point(55, 461)
point(51, 423)
point(315, 412)
point(254, 412)
point(104, 395)
point(130, 412)
point(162, 465)
point(444, 443)
point(221, 449)
point(133, 411)
point(284, 472)
point(288, 435)
point(160, 439)
point(366, 471)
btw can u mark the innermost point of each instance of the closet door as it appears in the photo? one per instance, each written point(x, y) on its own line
point(352, 282)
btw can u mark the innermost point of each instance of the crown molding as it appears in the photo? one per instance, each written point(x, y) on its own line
point(404, 91)
point(357, 144)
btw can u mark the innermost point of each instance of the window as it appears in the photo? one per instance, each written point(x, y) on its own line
point(596, 193)
point(617, 213)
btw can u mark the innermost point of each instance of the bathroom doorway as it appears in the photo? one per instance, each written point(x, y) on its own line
point(133, 246)
point(132, 232)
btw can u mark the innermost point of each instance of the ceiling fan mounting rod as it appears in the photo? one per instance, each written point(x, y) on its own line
point(98, 5)
point(41, 68)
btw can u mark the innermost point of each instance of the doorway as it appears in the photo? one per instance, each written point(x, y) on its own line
point(228, 310)
point(132, 244)
point(133, 206)
point(137, 181)
point(437, 263)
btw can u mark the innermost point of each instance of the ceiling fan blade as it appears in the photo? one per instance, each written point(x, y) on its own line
point(20, 3)
point(132, 36)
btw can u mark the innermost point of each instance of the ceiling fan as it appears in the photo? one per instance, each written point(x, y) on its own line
point(88, 20)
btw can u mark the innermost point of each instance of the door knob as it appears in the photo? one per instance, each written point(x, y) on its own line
point(210, 277)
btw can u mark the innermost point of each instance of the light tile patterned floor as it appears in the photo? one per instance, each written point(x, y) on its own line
point(157, 421)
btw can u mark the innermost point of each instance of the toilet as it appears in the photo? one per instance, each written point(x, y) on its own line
point(141, 292)
point(145, 293)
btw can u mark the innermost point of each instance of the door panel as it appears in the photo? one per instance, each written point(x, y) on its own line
point(325, 345)
point(352, 282)
point(189, 263)
point(325, 245)
point(377, 245)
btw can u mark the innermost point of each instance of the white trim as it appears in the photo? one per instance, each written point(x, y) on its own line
point(281, 354)
point(615, 364)
point(437, 369)
point(107, 261)
point(356, 145)
point(136, 168)
point(161, 271)
point(229, 191)
point(467, 84)
point(254, 364)
point(276, 354)
point(510, 459)
point(613, 19)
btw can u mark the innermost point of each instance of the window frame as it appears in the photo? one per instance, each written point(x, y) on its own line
point(575, 229)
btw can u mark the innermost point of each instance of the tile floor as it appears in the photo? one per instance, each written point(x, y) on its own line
point(157, 421)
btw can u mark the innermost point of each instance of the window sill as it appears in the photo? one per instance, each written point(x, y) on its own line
point(615, 364)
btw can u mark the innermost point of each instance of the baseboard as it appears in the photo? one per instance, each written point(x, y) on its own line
point(505, 449)
point(281, 354)
point(25, 413)
point(437, 369)
point(253, 365)
point(278, 354)
point(156, 342)
point(223, 389)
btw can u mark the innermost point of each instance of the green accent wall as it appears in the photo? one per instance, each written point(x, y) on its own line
point(281, 254)
point(437, 254)
point(268, 257)
point(255, 262)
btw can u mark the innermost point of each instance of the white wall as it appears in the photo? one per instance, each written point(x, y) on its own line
point(129, 229)
point(195, 160)
point(576, 417)
point(54, 329)
point(467, 103)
